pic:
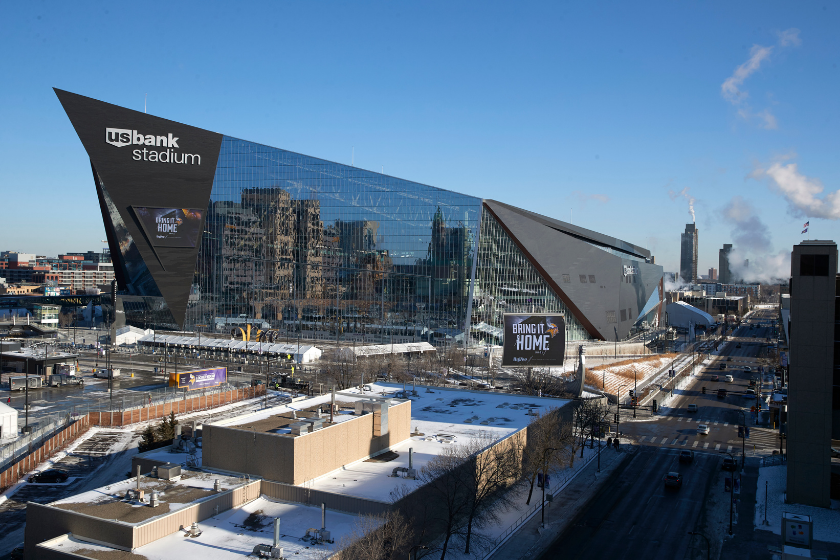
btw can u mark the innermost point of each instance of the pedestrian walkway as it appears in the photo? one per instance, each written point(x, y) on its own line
point(762, 442)
point(532, 539)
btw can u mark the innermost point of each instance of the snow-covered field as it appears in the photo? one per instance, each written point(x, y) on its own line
point(611, 378)
point(826, 521)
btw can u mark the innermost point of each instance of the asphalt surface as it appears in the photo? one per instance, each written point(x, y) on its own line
point(635, 516)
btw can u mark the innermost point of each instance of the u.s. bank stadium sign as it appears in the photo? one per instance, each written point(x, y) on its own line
point(168, 144)
point(534, 340)
point(628, 270)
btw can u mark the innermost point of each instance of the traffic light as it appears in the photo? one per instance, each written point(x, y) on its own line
point(740, 431)
point(655, 405)
point(616, 418)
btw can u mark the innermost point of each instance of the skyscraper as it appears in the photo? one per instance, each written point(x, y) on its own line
point(713, 274)
point(688, 253)
point(724, 276)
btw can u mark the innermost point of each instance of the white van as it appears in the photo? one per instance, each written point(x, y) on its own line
point(729, 379)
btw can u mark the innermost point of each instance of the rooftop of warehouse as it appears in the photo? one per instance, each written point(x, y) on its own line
point(232, 533)
point(108, 502)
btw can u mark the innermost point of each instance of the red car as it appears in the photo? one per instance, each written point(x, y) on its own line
point(715, 377)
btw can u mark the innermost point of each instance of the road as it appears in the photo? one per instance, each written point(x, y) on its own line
point(677, 427)
point(634, 515)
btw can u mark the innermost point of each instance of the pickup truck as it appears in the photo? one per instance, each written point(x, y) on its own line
point(62, 379)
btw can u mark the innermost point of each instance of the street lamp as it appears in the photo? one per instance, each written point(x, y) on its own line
point(544, 483)
point(635, 391)
point(708, 544)
point(731, 492)
point(743, 439)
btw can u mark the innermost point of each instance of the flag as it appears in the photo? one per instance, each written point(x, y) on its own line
point(808, 223)
point(805, 230)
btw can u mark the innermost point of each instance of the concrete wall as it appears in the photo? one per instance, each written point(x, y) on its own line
point(45, 522)
point(294, 460)
point(334, 502)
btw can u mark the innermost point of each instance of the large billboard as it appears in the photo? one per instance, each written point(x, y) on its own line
point(534, 340)
point(198, 379)
point(170, 227)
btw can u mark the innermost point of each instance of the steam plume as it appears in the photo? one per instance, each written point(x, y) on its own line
point(684, 194)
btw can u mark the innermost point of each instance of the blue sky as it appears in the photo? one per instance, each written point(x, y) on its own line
point(603, 111)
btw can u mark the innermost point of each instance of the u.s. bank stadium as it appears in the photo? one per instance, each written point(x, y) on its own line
point(207, 231)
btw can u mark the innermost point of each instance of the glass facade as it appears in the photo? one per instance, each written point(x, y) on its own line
point(507, 282)
point(306, 244)
point(331, 251)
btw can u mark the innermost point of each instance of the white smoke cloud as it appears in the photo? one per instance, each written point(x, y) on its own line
point(749, 233)
point(789, 37)
point(751, 240)
point(768, 268)
point(802, 193)
point(584, 197)
point(732, 87)
point(684, 194)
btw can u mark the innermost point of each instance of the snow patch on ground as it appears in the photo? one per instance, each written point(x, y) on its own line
point(826, 521)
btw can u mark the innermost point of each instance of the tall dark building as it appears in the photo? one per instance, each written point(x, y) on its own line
point(204, 226)
point(688, 253)
point(724, 274)
point(814, 374)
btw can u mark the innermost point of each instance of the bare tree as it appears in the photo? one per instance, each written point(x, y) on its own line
point(491, 468)
point(377, 537)
point(589, 415)
point(550, 444)
point(443, 477)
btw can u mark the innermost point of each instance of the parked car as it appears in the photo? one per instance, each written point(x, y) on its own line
point(715, 377)
point(686, 456)
point(703, 429)
point(692, 407)
point(51, 475)
point(673, 480)
point(729, 464)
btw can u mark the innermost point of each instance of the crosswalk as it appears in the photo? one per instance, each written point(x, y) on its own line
point(761, 440)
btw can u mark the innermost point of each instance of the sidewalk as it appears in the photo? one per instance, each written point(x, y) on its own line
point(531, 540)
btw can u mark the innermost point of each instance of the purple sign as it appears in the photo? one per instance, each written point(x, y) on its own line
point(198, 379)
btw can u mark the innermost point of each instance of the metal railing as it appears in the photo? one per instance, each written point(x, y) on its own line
point(567, 475)
point(47, 427)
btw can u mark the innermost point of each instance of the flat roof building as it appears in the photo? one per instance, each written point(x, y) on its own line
point(204, 226)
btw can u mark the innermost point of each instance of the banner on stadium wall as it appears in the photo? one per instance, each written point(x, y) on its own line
point(534, 340)
point(198, 379)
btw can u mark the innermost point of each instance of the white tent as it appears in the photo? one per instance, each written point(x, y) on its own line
point(8, 422)
point(130, 335)
point(681, 314)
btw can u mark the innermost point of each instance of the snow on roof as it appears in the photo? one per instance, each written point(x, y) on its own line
point(695, 310)
point(264, 347)
point(227, 534)
point(444, 417)
point(380, 349)
point(106, 501)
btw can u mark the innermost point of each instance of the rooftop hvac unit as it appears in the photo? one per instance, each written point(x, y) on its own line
point(168, 471)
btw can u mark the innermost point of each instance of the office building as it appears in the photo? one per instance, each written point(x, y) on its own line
point(724, 276)
point(688, 253)
point(813, 397)
point(203, 227)
point(713, 274)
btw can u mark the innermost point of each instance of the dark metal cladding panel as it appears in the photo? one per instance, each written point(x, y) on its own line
point(132, 181)
point(597, 305)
